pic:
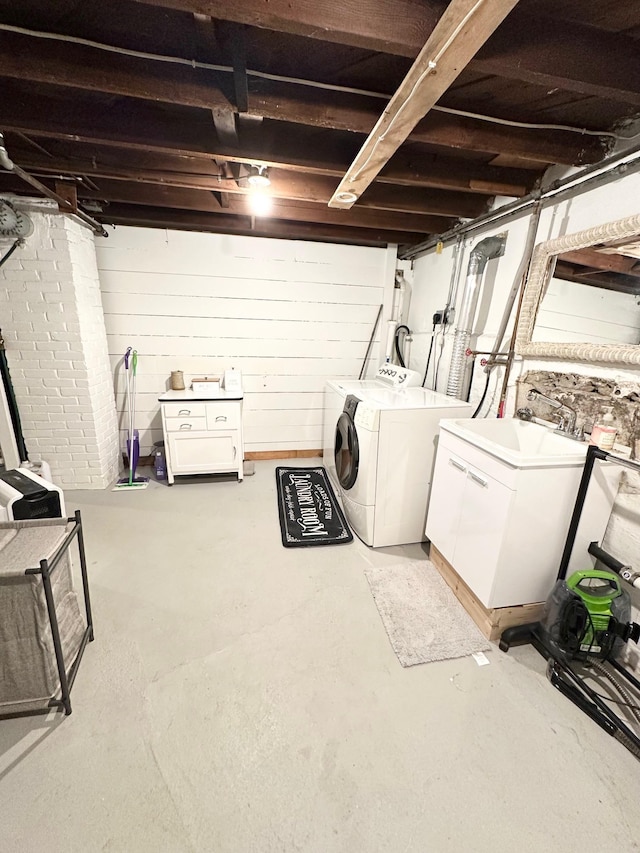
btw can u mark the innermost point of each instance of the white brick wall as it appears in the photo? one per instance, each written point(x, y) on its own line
point(53, 324)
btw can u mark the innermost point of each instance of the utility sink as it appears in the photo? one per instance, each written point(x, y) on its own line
point(521, 444)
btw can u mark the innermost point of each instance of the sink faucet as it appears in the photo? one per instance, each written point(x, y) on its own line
point(567, 422)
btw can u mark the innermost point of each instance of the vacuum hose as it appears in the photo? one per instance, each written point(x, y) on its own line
point(620, 687)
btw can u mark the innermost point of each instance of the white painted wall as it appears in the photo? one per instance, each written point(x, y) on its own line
point(572, 312)
point(288, 314)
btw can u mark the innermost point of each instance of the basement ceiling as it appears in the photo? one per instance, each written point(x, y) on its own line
point(298, 86)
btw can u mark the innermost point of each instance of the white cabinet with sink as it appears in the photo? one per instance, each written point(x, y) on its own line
point(501, 500)
point(202, 435)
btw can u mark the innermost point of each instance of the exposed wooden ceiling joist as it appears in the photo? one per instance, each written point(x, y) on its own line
point(189, 199)
point(461, 31)
point(87, 134)
point(154, 217)
point(151, 137)
point(83, 68)
point(524, 48)
point(284, 185)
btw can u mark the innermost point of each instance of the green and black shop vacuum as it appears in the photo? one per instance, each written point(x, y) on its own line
point(584, 629)
point(588, 615)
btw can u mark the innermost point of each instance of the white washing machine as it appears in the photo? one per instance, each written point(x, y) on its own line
point(379, 447)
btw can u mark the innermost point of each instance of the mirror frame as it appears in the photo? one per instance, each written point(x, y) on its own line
point(541, 260)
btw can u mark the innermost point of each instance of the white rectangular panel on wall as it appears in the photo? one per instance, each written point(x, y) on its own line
point(288, 314)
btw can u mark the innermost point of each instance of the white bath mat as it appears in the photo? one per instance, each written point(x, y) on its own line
point(424, 620)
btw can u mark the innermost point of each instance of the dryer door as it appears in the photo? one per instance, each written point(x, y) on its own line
point(347, 451)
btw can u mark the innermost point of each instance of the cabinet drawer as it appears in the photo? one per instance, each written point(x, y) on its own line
point(184, 410)
point(183, 424)
point(478, 459)
point(223, 416)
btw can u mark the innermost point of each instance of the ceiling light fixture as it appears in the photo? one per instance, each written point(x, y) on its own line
point(258, 176)
point(260, 203)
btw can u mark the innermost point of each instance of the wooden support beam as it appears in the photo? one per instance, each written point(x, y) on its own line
point(82, 68)
point(232, 38)
point(592, 258)
point(69, 192)
point(355, 113)
point(284, 185)
point(189, 199)
point(525, 46)
point(395, 26)
point(155, 217)
point(457, 37)
point(224, 121)
point(138, 131)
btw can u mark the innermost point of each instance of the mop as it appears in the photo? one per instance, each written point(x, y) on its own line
point(133, 437)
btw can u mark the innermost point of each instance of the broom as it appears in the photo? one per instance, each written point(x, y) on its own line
point(133, 437)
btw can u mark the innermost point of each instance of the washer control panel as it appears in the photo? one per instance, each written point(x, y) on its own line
point(366, 417)
point(397, 377)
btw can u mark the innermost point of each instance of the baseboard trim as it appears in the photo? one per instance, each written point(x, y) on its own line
point(145, 461)
point(282, 454)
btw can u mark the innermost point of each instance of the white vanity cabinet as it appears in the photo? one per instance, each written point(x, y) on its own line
point(202, 436)
point(503, 528)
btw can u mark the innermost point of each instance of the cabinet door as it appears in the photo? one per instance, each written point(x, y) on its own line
point(484, 520)
point(203, 453)
point(445, 501)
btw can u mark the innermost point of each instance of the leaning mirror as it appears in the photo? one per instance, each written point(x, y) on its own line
point(582, 297)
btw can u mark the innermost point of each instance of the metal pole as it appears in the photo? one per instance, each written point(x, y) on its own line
point(373, 334)
point(85, 579)
point(55, 635)
point(12, 167)
point(593, 453)
point(603, 172)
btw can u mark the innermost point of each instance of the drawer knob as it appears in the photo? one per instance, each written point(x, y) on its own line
point(185, 426)
point(221, 418)
point(184, 412)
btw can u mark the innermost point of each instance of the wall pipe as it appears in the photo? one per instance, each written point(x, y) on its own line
point(604, 172)
point(7, 163)
point(481, 254)
point(519, 279)
point(625, 571)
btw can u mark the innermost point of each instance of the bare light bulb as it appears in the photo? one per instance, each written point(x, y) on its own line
point(260, 204)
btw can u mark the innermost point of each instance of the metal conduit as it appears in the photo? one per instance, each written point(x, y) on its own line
point(7, 163)
point(610, 169)
point(481, 254)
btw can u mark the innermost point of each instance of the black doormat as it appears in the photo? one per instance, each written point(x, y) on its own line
point(308, 509)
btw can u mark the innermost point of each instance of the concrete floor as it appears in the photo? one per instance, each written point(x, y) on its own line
point(241, 697)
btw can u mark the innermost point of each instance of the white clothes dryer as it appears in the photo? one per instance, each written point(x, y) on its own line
point(382, 450)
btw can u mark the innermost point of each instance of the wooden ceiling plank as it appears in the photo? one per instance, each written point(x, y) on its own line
point(457, 37)
point(143, 136)
point(189, 199)
point(286, 102)
point(284, 184)
point(224, 121)
point(83, 68)
point(529, 47)
point(395, 26)
point(153, 217)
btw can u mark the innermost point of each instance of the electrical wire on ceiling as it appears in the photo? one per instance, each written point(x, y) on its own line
point(279, 78)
